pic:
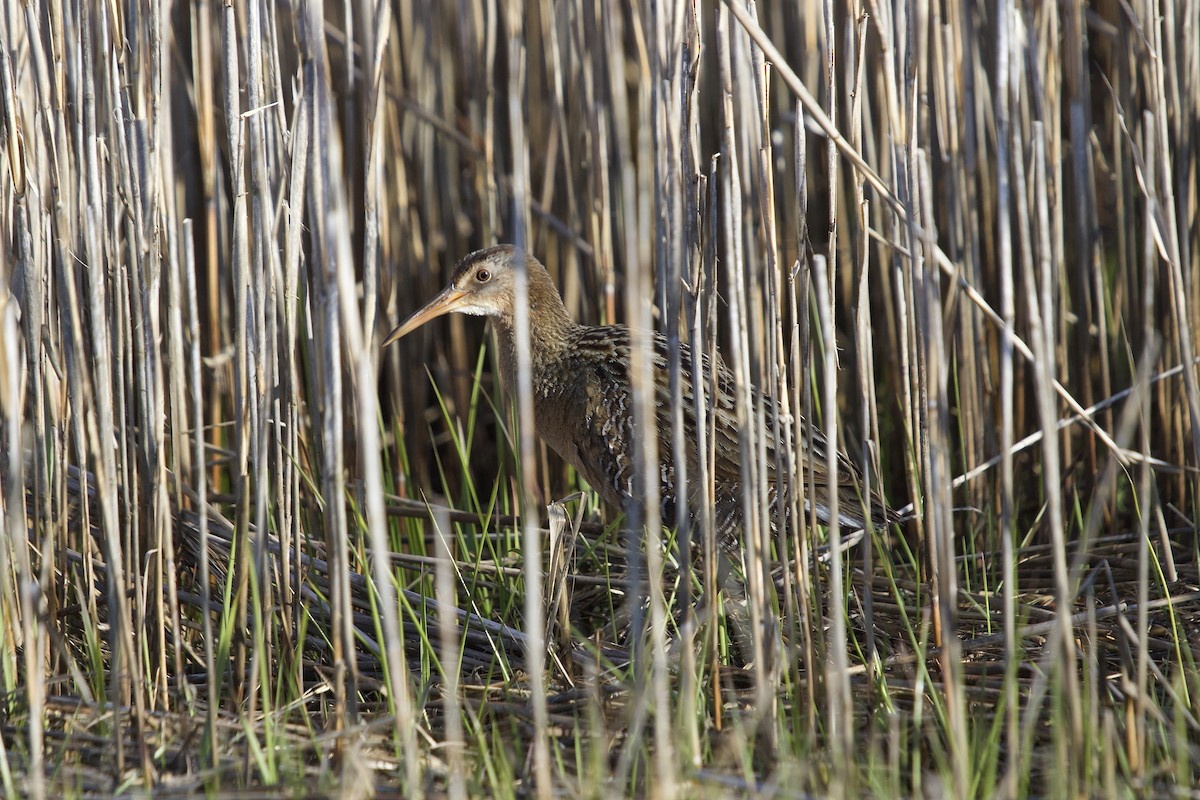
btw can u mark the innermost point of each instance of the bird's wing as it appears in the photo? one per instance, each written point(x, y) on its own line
point(726, 456)
point(605, 439)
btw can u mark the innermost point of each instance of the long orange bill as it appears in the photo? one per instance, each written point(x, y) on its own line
point(449, 299)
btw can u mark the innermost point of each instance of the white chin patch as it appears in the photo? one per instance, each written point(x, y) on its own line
point(475, 311)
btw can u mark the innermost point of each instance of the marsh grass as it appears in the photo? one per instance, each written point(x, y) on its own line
point(245, 551)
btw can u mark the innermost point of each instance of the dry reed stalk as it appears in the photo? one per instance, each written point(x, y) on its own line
point(449, 654)
point(535, 608)
point(1005, 59)
point(836, 674)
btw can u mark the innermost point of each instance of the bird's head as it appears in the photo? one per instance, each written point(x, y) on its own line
point(484, 285)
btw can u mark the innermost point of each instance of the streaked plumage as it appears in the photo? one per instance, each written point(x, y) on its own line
point(583, 399)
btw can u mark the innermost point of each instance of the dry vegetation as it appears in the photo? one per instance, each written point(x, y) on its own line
point(242, 549)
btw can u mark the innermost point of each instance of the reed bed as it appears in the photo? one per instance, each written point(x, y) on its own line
point(245, 551)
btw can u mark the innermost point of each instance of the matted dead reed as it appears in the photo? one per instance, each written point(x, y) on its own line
point(246, 551)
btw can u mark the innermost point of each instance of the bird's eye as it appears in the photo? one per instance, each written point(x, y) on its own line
point(483, 276)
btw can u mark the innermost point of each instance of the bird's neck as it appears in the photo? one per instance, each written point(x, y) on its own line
point(549, 327)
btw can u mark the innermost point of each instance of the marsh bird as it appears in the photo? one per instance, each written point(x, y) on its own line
point(583, 401)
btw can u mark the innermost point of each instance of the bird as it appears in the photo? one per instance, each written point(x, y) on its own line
point(583, 401)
